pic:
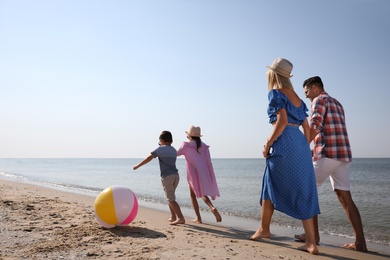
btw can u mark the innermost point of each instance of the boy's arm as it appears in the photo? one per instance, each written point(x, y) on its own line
point(144, 161)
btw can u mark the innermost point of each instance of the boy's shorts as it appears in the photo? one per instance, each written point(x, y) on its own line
point(337, 171)
point(169, 184)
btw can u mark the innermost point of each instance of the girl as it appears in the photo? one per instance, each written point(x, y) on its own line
point(200, 172)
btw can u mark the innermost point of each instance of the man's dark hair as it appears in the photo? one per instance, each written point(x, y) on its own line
point(313, 81)
point(166, 136)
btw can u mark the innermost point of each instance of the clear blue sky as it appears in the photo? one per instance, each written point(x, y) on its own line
point(102, 79)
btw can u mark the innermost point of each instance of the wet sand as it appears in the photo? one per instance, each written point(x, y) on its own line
point(42, 223)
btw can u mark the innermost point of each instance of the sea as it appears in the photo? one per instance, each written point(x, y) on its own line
point(239, 182)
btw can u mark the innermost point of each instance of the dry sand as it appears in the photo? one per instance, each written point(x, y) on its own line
point(43, 223)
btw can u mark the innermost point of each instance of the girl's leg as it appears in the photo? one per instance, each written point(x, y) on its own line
point(212, 208)
point(311, 245)
point(267, 210)
point(196, 206)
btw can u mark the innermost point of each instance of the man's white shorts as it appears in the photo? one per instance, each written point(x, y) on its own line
point(337, 171)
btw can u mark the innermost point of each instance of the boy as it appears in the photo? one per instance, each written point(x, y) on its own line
point(169, 174)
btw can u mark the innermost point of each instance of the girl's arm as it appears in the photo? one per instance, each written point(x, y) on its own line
point(180, 151)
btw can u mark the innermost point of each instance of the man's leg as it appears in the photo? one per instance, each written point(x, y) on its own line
point(353, 215)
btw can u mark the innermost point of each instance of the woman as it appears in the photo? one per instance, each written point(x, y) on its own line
point(289, 182)
point(200, 172)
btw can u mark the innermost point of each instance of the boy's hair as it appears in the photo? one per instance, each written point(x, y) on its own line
point(313, 81)
point(166, 136)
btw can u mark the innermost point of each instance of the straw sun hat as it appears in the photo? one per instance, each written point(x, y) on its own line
point(282, 67)
point(193, 131)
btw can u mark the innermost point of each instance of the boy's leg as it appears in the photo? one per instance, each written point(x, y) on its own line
point(173, 214)
point(169, 184)
point(176, 208)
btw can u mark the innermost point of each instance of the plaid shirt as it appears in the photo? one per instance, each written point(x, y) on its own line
point(328, 120)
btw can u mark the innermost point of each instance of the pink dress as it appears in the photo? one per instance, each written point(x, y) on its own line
point(200, 172)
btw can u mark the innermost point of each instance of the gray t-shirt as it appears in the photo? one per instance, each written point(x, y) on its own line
point(167, 158)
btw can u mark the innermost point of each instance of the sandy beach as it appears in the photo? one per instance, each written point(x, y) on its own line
point(43, 223)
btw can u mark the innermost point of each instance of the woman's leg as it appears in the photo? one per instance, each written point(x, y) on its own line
point(311, 245)
point(267, 210)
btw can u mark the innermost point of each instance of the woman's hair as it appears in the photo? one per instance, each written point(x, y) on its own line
point(198, 142)
point(275, 81)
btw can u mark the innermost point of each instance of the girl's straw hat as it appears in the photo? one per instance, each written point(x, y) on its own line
point(282, 67)
point(194, 131)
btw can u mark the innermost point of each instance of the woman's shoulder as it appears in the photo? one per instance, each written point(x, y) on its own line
point(276, 94)
point(277, 99)
point(293, 97)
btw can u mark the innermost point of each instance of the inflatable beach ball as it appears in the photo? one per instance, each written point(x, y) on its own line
point(116, 206)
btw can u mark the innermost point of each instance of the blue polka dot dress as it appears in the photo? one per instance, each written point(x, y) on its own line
point(289, 180)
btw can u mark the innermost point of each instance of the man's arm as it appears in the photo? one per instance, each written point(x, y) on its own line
point(312, 135)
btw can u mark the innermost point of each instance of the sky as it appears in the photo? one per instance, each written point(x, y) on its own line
point(103, 78)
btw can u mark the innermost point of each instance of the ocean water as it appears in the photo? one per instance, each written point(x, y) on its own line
point(239, 182)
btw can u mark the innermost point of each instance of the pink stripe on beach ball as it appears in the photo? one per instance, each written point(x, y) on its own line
point(124, 201)
point(133, 213)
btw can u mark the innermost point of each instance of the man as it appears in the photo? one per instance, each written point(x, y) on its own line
point(332, 154)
